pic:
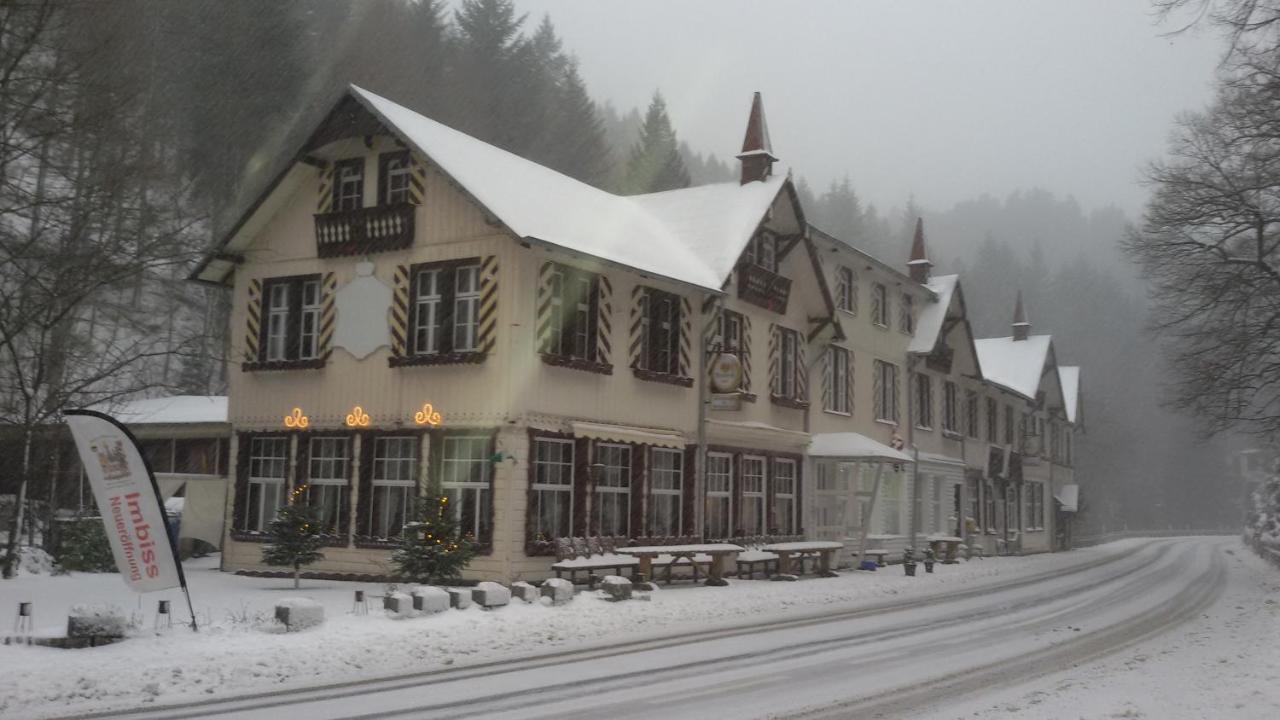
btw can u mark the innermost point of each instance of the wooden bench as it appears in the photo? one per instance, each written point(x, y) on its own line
point(752, 558)
point(591, 554)
point(822, 551)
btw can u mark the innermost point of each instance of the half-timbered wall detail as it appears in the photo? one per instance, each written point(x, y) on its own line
point(254, 326)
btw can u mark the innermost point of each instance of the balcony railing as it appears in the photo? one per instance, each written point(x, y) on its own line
point(759, 286)
point(367, 230)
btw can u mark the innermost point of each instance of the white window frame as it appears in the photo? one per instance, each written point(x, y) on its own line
point(309, 329)
point(752, 521)
point(783, 494)
point(544, 488)
point(426, 319)
point(924, 401)
point(329, 474)
point(613, 487)
point(719, 496)
point(788, 359)
point(278, 321)
point(399, 171)
point(666, 482)
point(389, 476)
point(886, 400)
point(907, 314)
point(846, 290)
point(342, 179)
point(264, 451)
point(466, 307)
point(838, 380)
point(950, 407)
point(456, 488)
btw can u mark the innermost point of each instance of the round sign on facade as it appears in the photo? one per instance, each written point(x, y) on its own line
point(726, 373)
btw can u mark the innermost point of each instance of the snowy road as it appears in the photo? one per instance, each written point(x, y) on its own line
point(913, 659)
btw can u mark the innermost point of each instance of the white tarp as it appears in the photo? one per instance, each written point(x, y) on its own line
point(1069, 497)
point(852, 446)
point(127, 500)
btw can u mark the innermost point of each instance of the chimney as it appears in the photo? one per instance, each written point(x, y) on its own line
point(1021, 328)
point(757, 152)
point(919, 266)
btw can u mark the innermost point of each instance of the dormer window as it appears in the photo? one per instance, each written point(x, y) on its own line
point(762, 252)
point(348, 184)
point(394, 173)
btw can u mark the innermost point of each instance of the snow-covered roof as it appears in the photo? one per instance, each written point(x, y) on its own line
point(932, 315)
point(1014, 364)
point(852, 445)
point(175, 410)
point(1069, 376)
point(693, 235)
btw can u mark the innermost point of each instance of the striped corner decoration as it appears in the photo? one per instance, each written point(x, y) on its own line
point(328, 312)
point(634, 334)
point(417, 179)
point(802, 370)
point(486, 337)
point(774, 343)
point(542, 324)
point(828, 367)
point(746, 353)
point(686, 337)
point(400, 311)
point(254, 326)
point(604, 320)
point(324, 203)
point(849, 375)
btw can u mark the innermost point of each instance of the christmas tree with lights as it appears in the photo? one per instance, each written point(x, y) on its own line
point(431, 550)
point(295, 536)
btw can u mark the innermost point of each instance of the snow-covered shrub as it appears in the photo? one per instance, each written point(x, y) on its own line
point(299, 613)
point(1264, 518)
point(96, 620)
point(83, 547)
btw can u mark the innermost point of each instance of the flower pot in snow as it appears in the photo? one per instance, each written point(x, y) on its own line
point(910, 568)
point(928, 567)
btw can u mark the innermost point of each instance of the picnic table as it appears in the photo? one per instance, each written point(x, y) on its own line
point(945, 547)
point(824, 550)
point(712, 554)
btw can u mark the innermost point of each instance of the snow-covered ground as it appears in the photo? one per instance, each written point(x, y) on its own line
point(240, 650)
point(1224, 664)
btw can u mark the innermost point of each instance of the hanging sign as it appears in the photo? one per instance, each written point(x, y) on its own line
point(128, 501)
point(726, 401)
point(726, 373)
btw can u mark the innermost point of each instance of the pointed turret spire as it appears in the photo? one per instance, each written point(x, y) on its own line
point(919, 265)
point(757, 151)
point(1021, 328)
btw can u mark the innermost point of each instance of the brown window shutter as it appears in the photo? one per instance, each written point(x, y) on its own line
point(603, 326)
point(486, 335)
point(364, 500)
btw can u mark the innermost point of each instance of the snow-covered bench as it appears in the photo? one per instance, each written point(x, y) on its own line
point(752, 558)
point(587, 555)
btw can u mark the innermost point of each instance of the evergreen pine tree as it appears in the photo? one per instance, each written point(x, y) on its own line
point(655, 163)
point(576, 145)
point(431, 550)
point(295, 536)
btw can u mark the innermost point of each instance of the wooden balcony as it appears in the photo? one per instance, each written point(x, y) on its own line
point(363, 231)
point(759, 286)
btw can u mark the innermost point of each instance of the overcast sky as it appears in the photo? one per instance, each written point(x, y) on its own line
point(946, 100)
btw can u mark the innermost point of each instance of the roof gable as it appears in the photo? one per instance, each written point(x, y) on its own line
point(1017, 365)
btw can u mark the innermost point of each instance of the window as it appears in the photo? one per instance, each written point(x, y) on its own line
point(445, 307)
point(666, 481)
point(751, 513)
point(879, 305)
point(975, 506)
point(950, 408)
point(328, 472)
point(395, 171)
point(268, 470)
point(612, 504)
point(553, 488)
point(464, 469)
point(719, 496)
point(838, 380)
point(846, 290)
point(292, 327)
point(1024, 427)
point(924, 401)
point(348, 184)
point(660, 332)
point(198, 456)
point(907, 314)
point(394, 482)
point(572, 320)
point(784, 379)
point(971, 414)
point(993, 421)
point(762, 251)
point(1034, 497)
point(731, 332)
point(892, 491)
point(989, 507)
point(784, 497)
point(886, 391)
point(1008, 425)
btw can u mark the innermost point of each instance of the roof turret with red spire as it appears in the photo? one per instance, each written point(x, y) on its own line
point(919, 265)
point(757, 151)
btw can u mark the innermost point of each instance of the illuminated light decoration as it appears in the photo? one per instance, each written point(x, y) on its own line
point(295, 419)
point(358, 417)
point(427, 416)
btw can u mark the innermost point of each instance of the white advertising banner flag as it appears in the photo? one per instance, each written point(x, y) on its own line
point(127, 500)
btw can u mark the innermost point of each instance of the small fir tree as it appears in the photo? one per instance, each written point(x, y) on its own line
point(431, 550)
point(295, 536)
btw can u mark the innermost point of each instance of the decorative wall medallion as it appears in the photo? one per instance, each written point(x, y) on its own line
point(363, 305)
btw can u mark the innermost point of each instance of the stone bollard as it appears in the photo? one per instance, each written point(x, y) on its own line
point(430, 600)
point(397, 604)
point(524, 591)
point(558, 589)
point(616, 588)
point(96, 623)
point(459, 598)
point(489, 595)
point(299, 613)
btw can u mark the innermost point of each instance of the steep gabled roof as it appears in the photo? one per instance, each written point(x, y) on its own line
point(694, 235)
point(934, 314)
point(1069, 376)
point(1015, 365)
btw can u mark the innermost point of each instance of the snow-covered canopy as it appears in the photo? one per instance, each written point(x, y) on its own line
point(1015, 364)
point(932, 315)
point(1069, 497)
point(175, 410)
point(853, 446)
point(1069, 376)
point(693, 235)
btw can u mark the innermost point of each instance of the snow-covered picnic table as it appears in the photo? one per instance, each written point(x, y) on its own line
point(945, 547)
point(824, 550)
point(710, 554)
